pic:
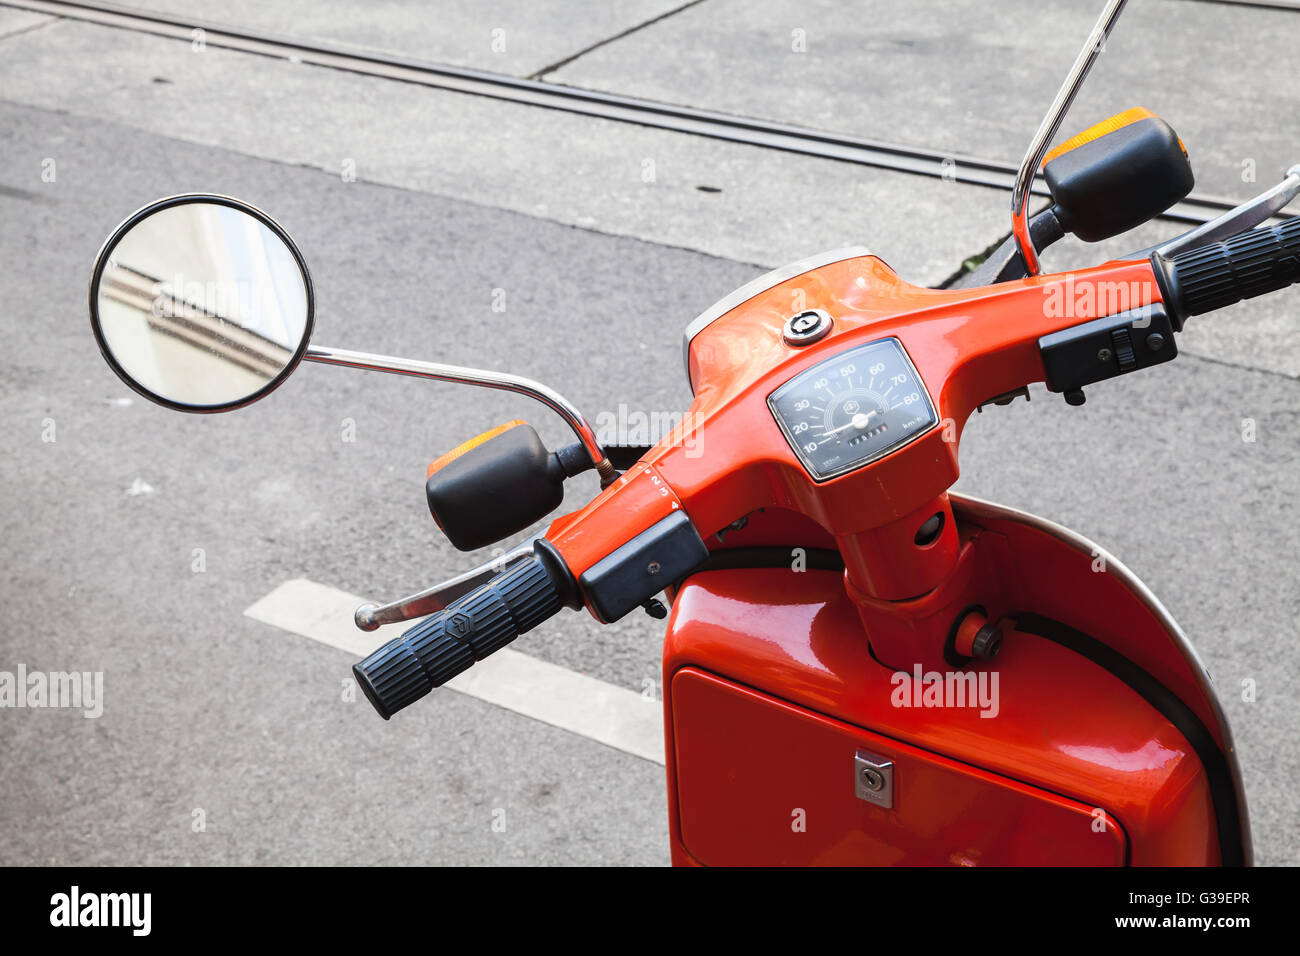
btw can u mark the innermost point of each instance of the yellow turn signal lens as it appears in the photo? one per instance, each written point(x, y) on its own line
point(470, 445)
point(1105, 127)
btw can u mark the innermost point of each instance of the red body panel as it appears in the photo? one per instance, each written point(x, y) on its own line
point(792, 645)
point(769, 782)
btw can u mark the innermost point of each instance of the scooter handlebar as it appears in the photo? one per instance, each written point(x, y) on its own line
point(1222, 273)
point(468, 630)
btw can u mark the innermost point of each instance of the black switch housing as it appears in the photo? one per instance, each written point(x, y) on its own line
point(1106, 347)
point(657, 557)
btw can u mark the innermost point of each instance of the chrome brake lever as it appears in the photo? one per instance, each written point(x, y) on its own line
point(370, 617)
point(1246, 216)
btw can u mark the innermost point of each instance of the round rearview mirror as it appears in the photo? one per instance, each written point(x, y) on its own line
point(201, 303)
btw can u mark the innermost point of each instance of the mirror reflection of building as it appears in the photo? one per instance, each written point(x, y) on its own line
point(202, 304)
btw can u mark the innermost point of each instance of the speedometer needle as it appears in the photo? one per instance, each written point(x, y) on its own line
point(859, 421)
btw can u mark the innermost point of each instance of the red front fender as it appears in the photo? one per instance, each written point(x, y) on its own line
point(1106, 726)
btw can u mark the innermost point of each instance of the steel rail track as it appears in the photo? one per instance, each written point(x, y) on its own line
point(1263, 4)
point(972, 170)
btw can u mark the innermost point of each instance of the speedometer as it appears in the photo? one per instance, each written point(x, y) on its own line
point(853, 408)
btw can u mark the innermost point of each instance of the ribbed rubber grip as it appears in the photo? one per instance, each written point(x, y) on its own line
point(444, 644)
point(1249, 264)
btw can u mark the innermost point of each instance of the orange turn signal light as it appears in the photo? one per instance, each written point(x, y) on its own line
point(1105, 127)
point(473, 443)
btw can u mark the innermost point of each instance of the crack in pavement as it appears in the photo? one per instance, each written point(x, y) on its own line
point(50, 19)
point(608, 40)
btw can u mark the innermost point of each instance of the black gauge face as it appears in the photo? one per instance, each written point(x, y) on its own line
point(853, 408)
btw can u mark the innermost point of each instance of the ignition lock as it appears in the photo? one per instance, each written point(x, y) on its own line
point(806, 327)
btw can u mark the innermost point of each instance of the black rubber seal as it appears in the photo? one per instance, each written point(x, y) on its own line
point(727, 559)
point(1223, 793)
point(624, 457)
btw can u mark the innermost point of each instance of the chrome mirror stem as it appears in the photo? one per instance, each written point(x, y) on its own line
point(474, 376)
point(1051, 125)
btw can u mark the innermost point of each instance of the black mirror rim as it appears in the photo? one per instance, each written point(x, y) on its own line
point(168, 202)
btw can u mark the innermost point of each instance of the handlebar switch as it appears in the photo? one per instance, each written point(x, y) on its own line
point(1104, 348)
point(629, 576)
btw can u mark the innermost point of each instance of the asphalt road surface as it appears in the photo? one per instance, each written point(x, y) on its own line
point(135, 538)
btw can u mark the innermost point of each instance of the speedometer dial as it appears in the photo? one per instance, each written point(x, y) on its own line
point(853, 408)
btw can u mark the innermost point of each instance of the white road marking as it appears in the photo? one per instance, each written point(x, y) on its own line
point(591, 708)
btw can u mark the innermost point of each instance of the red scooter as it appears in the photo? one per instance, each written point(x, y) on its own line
point(848, 644)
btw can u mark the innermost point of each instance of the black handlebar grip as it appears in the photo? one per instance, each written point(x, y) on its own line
point(468, 630)
point(1249, 264)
